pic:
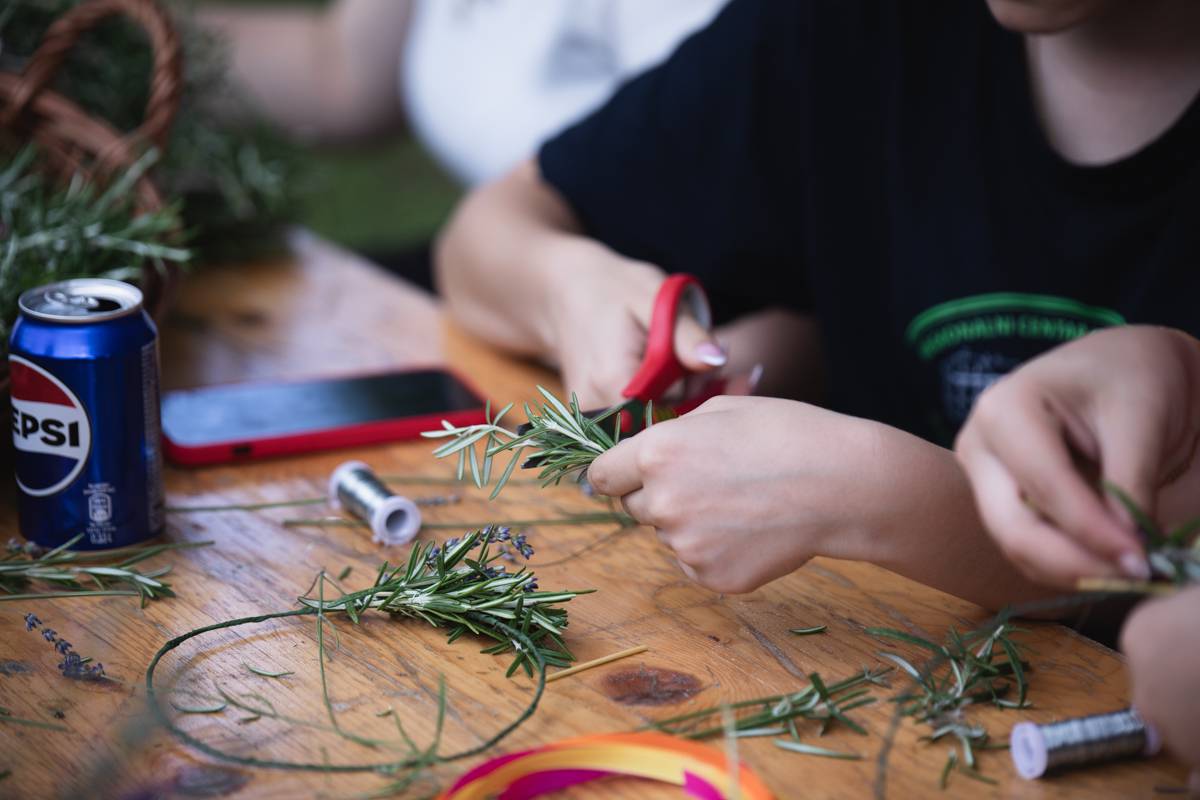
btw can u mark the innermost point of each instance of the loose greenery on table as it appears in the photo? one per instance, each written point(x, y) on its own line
point(776, 715)
point(48, 233)
point(980, 666)
point(456, 586)
point(24, 565)
point(235, 183)
point(7, 718)
point(564, 441)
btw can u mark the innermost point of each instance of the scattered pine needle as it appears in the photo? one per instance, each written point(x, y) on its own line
point(213, 708)
point(266, 673)
point(808, 631)
point(813, 750)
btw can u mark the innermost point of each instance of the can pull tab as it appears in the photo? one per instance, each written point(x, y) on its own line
point(78, 304)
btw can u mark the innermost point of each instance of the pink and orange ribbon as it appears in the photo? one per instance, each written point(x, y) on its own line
point(701, 771)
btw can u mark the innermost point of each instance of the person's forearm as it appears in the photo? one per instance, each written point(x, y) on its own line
point(321, 74)
point(926, 527)
point(500, 256)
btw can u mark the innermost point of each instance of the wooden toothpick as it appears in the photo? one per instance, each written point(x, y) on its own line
point(595, 662)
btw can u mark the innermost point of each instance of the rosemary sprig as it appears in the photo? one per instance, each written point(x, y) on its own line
point(24, 565)
point(776, 714)
point(565, 441)
point(980, 666)
point(461, 590)
point(1174, 555)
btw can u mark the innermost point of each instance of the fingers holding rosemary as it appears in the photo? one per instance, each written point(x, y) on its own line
point(1061, 450)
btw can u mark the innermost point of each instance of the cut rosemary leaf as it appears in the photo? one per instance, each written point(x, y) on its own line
point(808, 631)
point(266, 673)
point(812, 750)
point(211, 708)
point(979, 666)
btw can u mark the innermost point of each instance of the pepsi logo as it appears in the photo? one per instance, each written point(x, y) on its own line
point(50, 426)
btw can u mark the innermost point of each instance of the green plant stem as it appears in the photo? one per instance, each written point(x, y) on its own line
point(59, 595)
point(306, 501)
point(325, 681)
point(32, 723)
point(572, 519)
point(164, 719)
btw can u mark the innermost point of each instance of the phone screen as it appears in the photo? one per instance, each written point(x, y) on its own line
point(257, 411)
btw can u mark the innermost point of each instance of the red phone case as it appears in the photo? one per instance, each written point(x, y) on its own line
point(358, 435)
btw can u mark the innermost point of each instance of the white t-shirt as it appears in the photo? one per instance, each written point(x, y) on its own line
point(484, 82)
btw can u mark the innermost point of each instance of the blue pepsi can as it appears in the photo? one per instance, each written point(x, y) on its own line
point(83, 363)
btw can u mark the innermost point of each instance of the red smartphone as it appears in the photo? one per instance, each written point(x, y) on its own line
point(234, 422)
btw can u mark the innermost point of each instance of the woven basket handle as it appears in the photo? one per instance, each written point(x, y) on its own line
point(165, 82)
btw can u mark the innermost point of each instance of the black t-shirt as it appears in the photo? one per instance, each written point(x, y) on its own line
point(880, 165)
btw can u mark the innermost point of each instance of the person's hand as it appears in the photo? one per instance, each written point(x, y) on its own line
point(1161, 641)
point(1120, 404)
point(746, 489)
point(601, 306)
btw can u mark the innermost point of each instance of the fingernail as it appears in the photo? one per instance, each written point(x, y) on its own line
point(711, 353)
point(1133, 565)
point(755, 378)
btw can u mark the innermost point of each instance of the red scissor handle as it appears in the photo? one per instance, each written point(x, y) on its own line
point(660, 367)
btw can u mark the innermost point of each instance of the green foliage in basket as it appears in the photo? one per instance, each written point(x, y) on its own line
point(235, 184)
point(51, 233)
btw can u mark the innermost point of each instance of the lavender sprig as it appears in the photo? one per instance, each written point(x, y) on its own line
point(73, 665)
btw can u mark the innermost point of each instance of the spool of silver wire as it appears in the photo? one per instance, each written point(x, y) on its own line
point(1100, 738)
point(393, 519)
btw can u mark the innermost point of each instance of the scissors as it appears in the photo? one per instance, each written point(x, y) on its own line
point(660, 368)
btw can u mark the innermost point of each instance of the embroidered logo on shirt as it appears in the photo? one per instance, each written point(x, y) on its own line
point(968, 343)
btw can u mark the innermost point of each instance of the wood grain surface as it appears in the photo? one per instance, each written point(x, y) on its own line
point(324, 312)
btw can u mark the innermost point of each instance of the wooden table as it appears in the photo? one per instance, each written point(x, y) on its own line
point(323, 312)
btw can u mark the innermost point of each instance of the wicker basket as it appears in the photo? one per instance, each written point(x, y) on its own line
point(70, 141)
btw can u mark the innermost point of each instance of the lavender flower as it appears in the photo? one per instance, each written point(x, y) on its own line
point(73, 665)
point(523, 547)
point(497, 533)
